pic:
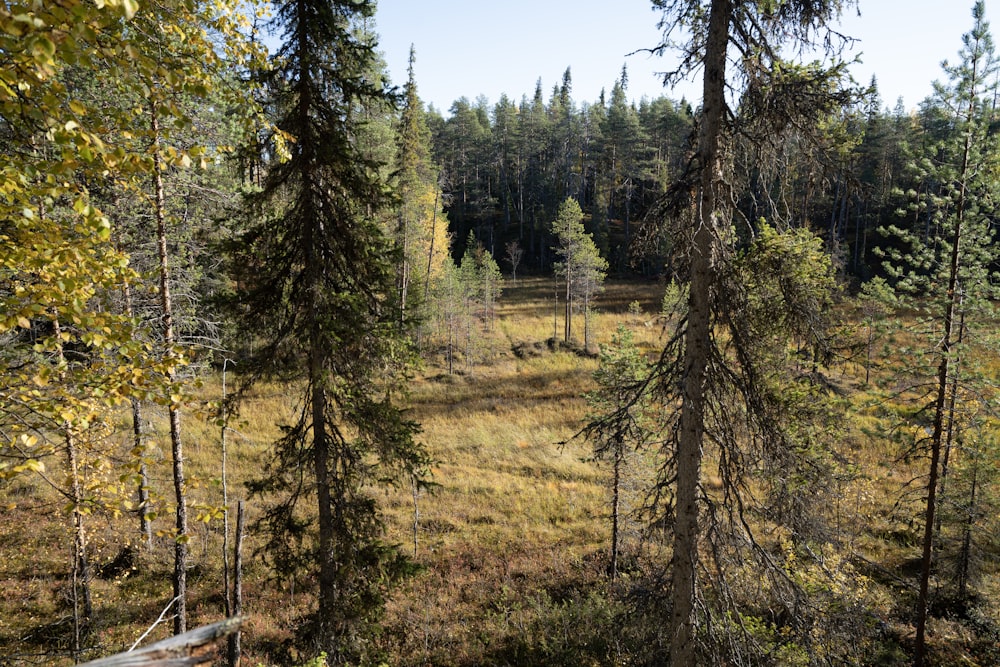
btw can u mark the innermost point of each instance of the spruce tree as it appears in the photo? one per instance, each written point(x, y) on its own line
point(421, 229)
point(622, 370)
point(319, 285)
point(621, 133)
point(726, 395)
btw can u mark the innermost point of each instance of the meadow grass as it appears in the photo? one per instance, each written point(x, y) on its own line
point(512, 539)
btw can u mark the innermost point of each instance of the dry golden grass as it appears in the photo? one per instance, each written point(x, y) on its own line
point(515, 530)
point(511, 502)
point(519, 513)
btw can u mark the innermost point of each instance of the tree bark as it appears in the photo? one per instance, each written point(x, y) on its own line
point(189, 650)
point(684, 562)
point(145, 525)
point(176, 446)
point(952, 428)
point(321, 465)
point(965, 555)
point(225, 496)
point(568, 328)
point(234, 648)
point(430, 250)
point(81, 564)
point(139, 448)
point(615, 508)
point(403, 241)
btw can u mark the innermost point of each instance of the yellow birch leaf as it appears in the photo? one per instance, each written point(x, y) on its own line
point(129, 8)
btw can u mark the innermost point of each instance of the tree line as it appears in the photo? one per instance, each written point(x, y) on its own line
point(505, 168)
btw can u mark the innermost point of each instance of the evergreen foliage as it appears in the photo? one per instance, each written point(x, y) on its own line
point(623, 428)
point(421, 229)
point(581, 267)
point(318, 280)
point(945, 261)
point(720, 391)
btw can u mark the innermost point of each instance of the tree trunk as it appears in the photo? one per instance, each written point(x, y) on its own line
point(430, 251)
point(404, 268)
point(237, 592)
point(697, 344)
point(965, 555)
point(190, 650)
point(568, 329)
point(868, 355)
point(225, 496)
point(321, 465)
point(81, 566)
point(615, 510)
point(555, 311)
point(832, 240)
point(940, 408)
point(139, 448)
point(951, 431)
point(145, 525)
point(929, 514)
point(416, 512)
point(176, 447)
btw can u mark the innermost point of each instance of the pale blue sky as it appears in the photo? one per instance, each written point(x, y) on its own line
point(476, 47)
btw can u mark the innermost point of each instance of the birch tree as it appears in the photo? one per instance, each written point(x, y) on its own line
point(60, 273)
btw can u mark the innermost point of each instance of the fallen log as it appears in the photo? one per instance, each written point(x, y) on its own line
point(187, 650)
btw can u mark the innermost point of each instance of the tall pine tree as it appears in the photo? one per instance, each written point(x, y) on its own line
point(945, 257)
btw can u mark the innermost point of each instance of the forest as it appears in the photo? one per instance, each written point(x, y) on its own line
point(539, 382)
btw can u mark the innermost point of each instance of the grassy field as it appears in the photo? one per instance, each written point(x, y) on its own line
point(513, 539)
point(518, 525)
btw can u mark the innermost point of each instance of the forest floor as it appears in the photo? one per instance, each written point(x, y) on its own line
point(512, 539)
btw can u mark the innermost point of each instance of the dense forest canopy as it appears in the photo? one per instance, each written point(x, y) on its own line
point(506, 168)
point(538, 381)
